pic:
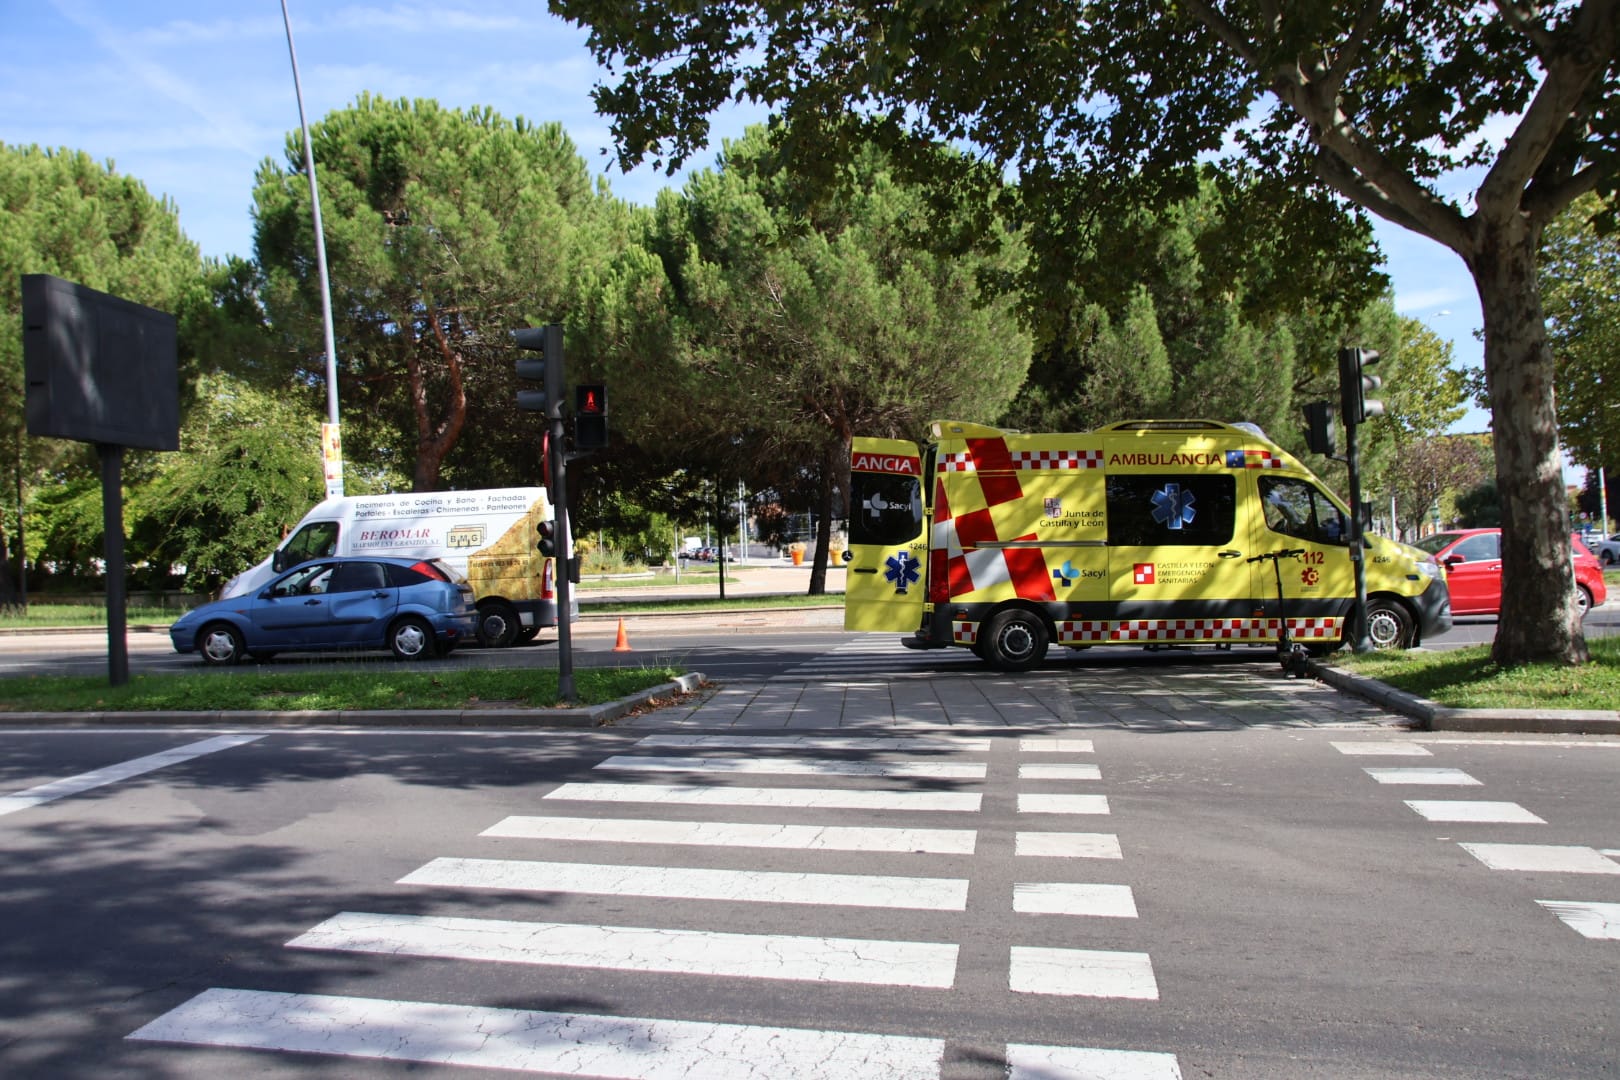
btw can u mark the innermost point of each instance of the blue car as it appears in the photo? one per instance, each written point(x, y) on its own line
point(415, 607)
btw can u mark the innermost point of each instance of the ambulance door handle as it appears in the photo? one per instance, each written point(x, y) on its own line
point(1230, 554)
point(865, 569)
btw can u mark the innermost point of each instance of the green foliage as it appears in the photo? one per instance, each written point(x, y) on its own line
point(1479, 507)
point(249, 466)
point(63, 214)
point(1580, 274)
point(445, 229)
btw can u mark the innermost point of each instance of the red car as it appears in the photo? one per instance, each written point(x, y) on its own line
point(1473, 562)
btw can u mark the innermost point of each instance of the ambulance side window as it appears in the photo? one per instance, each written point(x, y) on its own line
point(1154, 510)
point(884, 509)
point(1296, 508)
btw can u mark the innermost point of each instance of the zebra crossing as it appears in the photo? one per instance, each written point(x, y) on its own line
point(1594, 919)
point(943, 779)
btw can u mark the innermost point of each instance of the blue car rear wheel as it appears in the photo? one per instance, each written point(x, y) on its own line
point(411, 639)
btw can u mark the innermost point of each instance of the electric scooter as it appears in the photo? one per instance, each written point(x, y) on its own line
point(1290, 654)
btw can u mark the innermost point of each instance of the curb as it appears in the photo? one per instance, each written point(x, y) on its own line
point(1432, 716)
point(594, 716)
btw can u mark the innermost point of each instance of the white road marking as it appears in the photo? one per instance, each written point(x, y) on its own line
point(112, 774)
point(795, 798)
point(928, 770)
point(1422, 776)
point(754, 886)
point(1063, 804)
point(1025, 1062)
point(636, 948)
point(1589, 919)
point(1543, 858)
point(1381, 749)
point(1082, 973)
point(1054, 744)
point(1070, 898)
point(1069, 845)
point(568, 1044)
point(821, 742)
point(1059, 772)
point(737, 834)
point(1502, 813)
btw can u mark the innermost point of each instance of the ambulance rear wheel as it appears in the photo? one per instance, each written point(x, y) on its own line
point(1015, 640)
point(1389, 626)
point(498, 624)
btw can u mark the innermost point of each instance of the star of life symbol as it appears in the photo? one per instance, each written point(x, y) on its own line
point(902, 571)
point(1173, 507)
point(1066, 574)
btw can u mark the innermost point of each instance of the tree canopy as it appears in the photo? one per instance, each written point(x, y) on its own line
point(1375, 105)
point(445, 229)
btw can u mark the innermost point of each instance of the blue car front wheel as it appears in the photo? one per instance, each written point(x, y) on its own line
point(220, 643)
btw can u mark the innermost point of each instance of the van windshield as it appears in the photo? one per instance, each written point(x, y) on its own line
point(316, 540)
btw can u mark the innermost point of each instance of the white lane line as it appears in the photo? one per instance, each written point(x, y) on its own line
point(1454, 777)
point(1381, 749)
point(637, 948)
point(1063, 804)
point(737, 834)
point(567, 1044)
point(112, 774)
point(1069, 845)
point(1071, 898)
point(1082, 973)
point(1026, 1062)
point(795, 798)
point(929, 770)
point(1543, 858)
point(1059, 772)
point(1500, 813)
point(820, 742)
point(1053, 744)
point(1598, 921)
point(755, 886)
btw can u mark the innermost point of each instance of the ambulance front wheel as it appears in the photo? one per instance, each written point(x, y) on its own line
point(1015, 640)
point(1389, 625)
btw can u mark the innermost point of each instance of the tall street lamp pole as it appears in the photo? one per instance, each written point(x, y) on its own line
point(331, 442)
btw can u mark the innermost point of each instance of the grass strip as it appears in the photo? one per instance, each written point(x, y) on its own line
point(1467, 679)
point(289, 691)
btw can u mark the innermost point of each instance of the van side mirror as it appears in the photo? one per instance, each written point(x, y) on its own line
point(278, 560)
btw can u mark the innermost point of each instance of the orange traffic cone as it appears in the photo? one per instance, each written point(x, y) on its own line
point(623, 644)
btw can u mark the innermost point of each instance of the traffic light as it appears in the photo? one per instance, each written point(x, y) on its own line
point(1354, 384)
point(1319, 428)
point(546, 369)
point(547, 543)
point(590, 416)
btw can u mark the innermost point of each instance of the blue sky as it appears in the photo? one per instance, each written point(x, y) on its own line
point(190, 96)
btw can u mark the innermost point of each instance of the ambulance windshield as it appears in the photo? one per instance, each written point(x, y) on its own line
point(886, 509)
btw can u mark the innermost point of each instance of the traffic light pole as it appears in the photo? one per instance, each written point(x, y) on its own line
point(565, 545)
point(1358, 562)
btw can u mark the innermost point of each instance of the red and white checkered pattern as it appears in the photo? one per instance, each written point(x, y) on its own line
point(1057, 459)
point(964, 633)
point(1193, 629)
point(957, 463)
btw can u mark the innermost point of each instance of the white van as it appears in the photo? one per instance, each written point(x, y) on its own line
point(489, 536)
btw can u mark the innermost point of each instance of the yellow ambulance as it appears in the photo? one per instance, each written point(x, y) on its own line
point(1147, 532)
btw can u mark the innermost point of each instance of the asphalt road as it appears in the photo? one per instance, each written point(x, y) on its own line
point(1289, 903)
